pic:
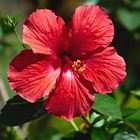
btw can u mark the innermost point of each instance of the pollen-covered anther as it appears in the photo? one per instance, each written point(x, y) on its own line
point(79, 66)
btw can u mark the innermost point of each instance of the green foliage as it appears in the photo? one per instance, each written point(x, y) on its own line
point(99, 134)
point(8, 24)
point(107, 105)
point(8, 134)
point(12, 135)
point(90, 2)
point(125, 136)
point(133, 3)
point(18, 111)
point(48, 133)
point(129, 19)
point(135, 117)
point(136, 92)
point(128, 112)
point(4, 28)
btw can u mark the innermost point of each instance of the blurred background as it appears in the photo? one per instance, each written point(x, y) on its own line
point(126, 18)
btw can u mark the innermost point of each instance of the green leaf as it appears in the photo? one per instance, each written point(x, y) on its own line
point(90, 2)
point(94, 116)
point(128, 112)
point(129, 19)
point(125, 136)
point(135, 118)
point(106, 105)
point(18, 111)
point(136, 4)
point(100, 123)
point(98, 134)
point(45, 133)
point(136, 92)
point(12, 134)
point(133, 3)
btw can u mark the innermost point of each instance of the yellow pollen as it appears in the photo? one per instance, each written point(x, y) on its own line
point(79, 66)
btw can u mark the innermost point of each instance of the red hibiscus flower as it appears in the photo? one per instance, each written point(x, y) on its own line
point(65, 60)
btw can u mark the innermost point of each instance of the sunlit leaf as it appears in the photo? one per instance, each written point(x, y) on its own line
point(125, 136)
point(91, 2)
point(94, 115)
point(136, 92)
point(100, 123)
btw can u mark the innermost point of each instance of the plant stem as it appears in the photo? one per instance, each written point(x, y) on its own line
point(20, 41)
point(14, 29)
point(88, 116)
point(74, 125)
point(86, 120)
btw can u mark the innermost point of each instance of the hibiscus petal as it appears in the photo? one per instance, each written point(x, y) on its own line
point(106, 69)
point(70, 98)
point(90, 28)
point(33, 76)
point(42, 31)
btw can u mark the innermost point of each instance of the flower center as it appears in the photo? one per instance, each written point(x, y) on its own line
point(79, 66)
